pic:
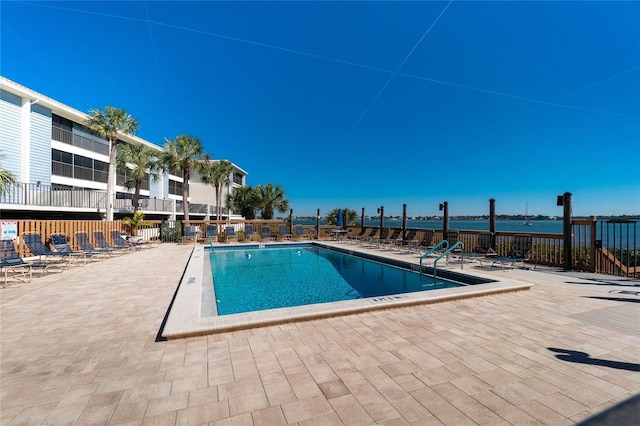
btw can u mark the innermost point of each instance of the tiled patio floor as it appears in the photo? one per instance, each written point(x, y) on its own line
point(80, 348)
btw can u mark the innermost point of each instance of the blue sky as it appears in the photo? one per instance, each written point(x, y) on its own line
point(362, 104)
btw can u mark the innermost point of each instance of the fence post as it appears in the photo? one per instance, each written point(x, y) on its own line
point(445, 220)
point(404, 221)
point(566, 230)
point(592, 244)
point(492, 222)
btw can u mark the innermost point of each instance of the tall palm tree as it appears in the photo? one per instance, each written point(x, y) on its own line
point(184, 153)
point(109, 124)
point(143, 160)
point(218, 174)
point(272, 198)
point(246, 200)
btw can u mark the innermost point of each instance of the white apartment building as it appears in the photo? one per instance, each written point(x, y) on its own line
point(62, 167)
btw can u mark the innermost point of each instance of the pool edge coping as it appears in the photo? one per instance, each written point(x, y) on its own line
point(185, 319)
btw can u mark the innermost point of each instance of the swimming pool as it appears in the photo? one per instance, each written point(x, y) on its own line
point(192, 311)
point(255, 279)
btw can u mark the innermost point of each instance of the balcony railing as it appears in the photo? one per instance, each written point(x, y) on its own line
point(145, 204)
point(200, 208)
point(65, 136)
point(29, 194)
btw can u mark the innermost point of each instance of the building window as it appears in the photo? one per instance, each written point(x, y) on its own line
point(237, 178)
point(61, 163)
point(175, 187)
point(62, 130)
point(127, 175)
point(61, 122)
point(78, 167)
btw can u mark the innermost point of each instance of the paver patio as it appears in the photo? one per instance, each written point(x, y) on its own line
point(81, 348)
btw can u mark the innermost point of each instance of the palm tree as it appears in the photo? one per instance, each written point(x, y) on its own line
point(218, 174)
point(272, 198)
point(7, 180)
point(349, 216)
point(244, 199)
point(144, 160)
point(134, 222)
point(109, 124)
point(184, 153)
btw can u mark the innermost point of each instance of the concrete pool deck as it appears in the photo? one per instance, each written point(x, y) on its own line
point(82, 347)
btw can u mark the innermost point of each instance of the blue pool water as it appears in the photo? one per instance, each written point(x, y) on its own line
point(257, 279)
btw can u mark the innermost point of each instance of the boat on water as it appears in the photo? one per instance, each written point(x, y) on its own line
point(527, 221)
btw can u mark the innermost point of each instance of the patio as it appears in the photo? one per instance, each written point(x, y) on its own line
point(81, 348)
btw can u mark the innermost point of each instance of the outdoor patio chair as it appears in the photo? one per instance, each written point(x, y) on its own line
point(392, 239)
point(369, 237)
point(453, 237)
point(300, 234)
point(357, 236)
point(230, 234)
point(409, 241)
point(11, 262)
point(518, 253)
point(190, 233)
point(101, 241)
point(282, 233)
point(37, 248)
point(427, 241)
point(119, 241)
point(265, 233)
point(61, 245)
point(378, 241)
point(248, 233)
point(212, 233)
point(82, 238)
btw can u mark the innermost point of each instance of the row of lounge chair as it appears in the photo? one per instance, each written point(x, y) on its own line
point(62, 256)
point(518, 253)
point(192, 234)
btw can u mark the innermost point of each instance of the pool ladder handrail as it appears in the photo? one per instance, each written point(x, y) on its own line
point(445, 253)
point(431, 250)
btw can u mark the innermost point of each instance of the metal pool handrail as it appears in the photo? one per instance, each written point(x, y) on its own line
point(431, 250)
point(446, 252)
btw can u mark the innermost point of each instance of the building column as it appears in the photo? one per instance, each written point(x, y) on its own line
point(25, 140)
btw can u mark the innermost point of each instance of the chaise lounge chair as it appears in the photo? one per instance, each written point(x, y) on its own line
point(482, 251)
point(357, 236)
point(61, 245)
point(120, 242)
point(393, 239)
point(370, 237)
point(37, 248)
point(426, 243)
point(410, 240)
point(98, 236)
point(11, 262)
point(518, 254)
point(82, 238)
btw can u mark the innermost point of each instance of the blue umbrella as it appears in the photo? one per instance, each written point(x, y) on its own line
point(339, 220)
